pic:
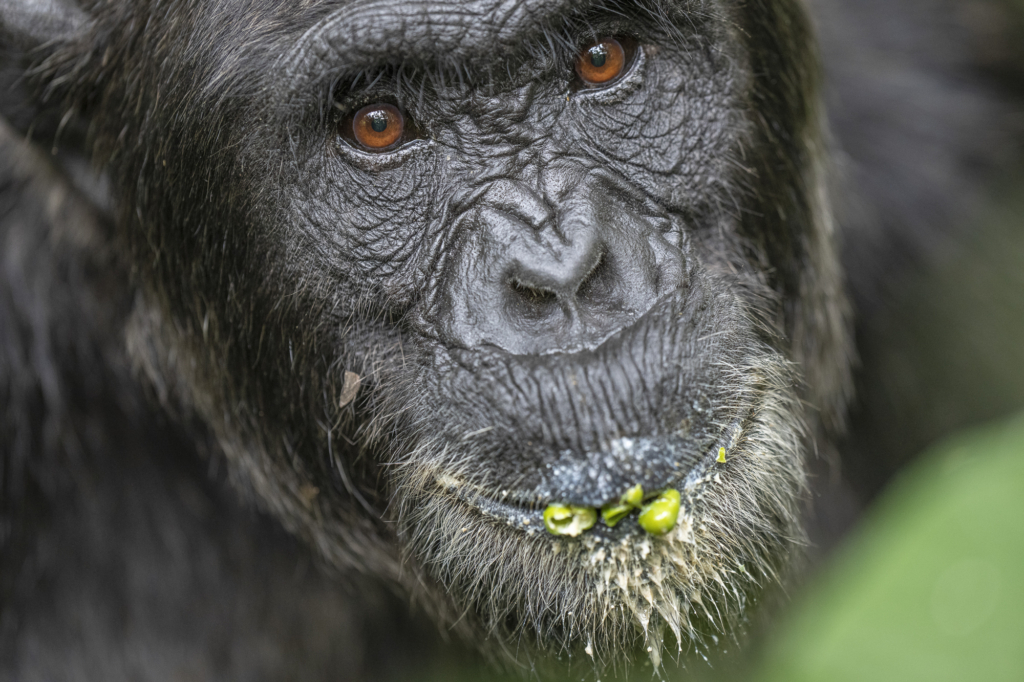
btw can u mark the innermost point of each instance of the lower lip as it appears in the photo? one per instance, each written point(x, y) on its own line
point(530, 520)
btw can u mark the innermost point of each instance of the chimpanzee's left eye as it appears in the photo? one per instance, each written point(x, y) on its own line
point(604, 61)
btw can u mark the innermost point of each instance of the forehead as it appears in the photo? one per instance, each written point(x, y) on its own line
point(475, 41)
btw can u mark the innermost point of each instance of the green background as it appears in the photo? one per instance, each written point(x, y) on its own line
point(931, 586)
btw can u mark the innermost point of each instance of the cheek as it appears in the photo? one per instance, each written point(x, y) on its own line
point(365, 224)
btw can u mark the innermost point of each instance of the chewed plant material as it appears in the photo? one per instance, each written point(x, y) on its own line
point(616, 511)
point(563, 519)
point(657, 517)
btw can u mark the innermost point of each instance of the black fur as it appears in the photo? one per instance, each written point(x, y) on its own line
point(194, 268)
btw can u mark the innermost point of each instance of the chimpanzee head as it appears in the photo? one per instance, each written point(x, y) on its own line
point(465, 290)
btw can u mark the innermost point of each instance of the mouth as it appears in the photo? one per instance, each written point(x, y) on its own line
point(598, 479)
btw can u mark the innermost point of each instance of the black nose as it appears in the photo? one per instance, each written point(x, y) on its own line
point(536, 278)
point(553, 271)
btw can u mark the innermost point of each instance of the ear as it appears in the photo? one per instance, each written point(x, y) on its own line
point(29, 24)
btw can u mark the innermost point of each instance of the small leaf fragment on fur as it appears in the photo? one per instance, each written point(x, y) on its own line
point(721, 455)
point(614, 512)
point(659, 515)
point(570, 520)
point(349, 388)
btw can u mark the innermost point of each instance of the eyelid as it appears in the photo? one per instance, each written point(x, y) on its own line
point(394, 158)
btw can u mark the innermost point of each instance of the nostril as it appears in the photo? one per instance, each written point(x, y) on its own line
point(535, 296)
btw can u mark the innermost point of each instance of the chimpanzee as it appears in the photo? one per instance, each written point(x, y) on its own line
point(529, 312)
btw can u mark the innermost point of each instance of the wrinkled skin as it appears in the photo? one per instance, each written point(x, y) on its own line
point(553, 294)
point(550, 292)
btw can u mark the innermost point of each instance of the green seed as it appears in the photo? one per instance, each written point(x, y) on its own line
point(562, 519)
point(659, 515)
point(633, 497)
point(721, 455)
point(613, 512)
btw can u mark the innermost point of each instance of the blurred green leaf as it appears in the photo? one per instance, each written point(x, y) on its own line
point(932, 586)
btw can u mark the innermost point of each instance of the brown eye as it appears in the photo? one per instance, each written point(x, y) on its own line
point(601, 62)
point(378, 126)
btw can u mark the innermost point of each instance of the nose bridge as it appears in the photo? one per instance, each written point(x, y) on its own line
point(555, 197)
point(566, 183)
point(521, 201)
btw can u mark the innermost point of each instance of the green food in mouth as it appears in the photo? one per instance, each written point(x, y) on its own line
point(614, 512)
point(660, 514)
point(657, 517)
point(570, 520)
